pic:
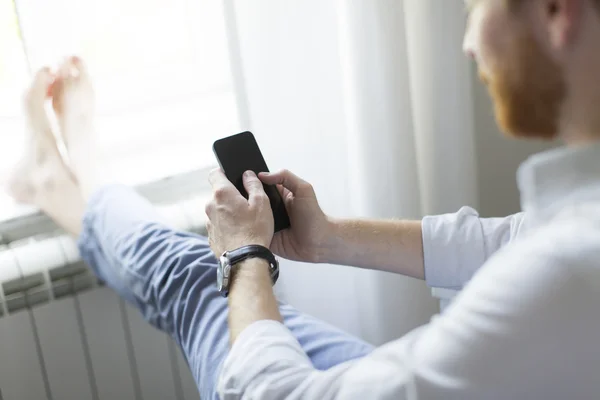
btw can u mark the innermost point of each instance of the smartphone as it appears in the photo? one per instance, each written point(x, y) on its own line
point(240, 153)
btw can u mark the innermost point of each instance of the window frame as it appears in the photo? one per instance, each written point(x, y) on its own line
point(167, 190)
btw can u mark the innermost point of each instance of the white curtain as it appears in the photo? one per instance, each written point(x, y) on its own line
point(371, 101)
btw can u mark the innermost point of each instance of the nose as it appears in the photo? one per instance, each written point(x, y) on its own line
point(468, 47)
point(470, 53)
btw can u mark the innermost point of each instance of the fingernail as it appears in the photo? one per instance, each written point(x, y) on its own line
point(249, 174)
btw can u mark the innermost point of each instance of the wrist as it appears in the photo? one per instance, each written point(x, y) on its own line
point(324, 252)
point(251, 270)
point(253, 266)
point(246, 263)
point(251, 298)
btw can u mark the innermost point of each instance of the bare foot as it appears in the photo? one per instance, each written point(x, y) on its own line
point(73, 102)
point(41, 179)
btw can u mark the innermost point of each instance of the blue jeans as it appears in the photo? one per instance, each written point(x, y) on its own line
point(170, 277)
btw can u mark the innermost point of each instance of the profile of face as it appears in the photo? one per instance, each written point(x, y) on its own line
point(512, 43)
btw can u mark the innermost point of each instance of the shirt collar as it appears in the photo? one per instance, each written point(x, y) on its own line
point(550, 180)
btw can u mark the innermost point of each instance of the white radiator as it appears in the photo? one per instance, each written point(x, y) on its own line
point(63, 336)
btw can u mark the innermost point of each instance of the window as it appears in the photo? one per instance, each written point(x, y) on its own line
point(161, 72)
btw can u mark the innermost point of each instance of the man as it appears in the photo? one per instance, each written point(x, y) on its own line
point(524, 327)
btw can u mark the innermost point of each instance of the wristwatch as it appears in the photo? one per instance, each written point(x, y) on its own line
point(230, 259)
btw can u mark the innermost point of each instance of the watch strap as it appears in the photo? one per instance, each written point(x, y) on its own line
point(255, 251)
point(252, 251)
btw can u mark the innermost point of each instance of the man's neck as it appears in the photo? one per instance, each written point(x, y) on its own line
point(580, 123)
point(573, 136)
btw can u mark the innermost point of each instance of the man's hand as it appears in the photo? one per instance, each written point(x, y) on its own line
point(393, 246)
point(311, 229)
point(235, 222)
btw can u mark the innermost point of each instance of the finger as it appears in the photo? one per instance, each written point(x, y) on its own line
point(281, 191)
point(287, 179)
point(284, 193)
point(211, 241)
point(254, 187)
point(217, 179)
point(209, 209)
point(223, 190)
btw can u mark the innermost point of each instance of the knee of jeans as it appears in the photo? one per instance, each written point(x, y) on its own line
point(182, 269)
point(157, 266)
point(175, 285)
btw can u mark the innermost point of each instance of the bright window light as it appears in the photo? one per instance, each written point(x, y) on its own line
point(161, 71)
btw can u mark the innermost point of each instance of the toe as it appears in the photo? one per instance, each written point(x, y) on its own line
point(79, 66)
point(58, 94)
point(61, 87)
point(41, 82)
point(73, 85)
point(84, 78)
point(67, 69)
point(74, 71)
point(35, 100)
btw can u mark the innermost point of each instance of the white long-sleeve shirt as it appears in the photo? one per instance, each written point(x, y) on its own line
point(525, 326)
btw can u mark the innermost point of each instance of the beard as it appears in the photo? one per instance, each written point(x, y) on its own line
point(528, 90)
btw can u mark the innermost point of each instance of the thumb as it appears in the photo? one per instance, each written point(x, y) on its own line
point(254, 187)
point(288, 180)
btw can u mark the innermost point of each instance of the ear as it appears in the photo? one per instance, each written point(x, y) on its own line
point(562, 19)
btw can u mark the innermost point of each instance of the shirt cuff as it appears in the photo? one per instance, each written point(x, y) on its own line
point(259, 347)
point(453, 248)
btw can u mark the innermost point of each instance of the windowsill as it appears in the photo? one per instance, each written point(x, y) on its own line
point(30, 222)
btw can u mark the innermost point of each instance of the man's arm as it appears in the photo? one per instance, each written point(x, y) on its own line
point(251, 297)
point(528, 300)
point(446, 250)
point(392, 246)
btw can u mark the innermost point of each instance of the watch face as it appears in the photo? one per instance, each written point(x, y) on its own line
point(223, 275)
point(220, 278)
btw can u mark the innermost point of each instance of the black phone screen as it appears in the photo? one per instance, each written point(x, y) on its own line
point(240, 153)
